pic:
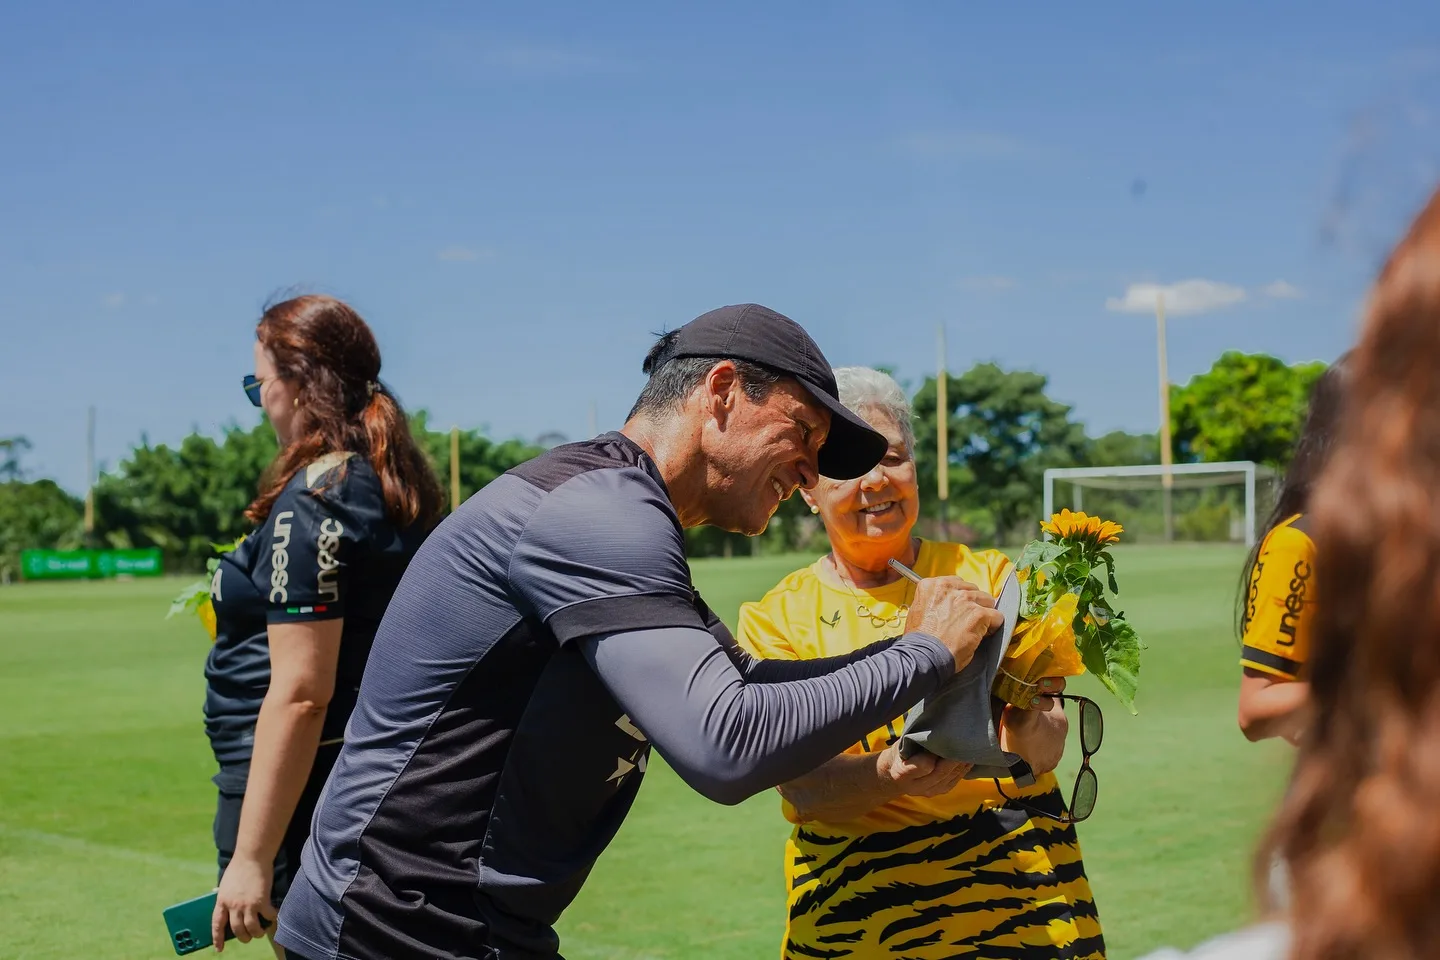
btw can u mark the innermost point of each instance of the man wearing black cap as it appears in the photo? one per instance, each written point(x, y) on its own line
point(548, 632)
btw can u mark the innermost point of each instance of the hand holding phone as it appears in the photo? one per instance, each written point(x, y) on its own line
point(189, 924)
point(243, 901)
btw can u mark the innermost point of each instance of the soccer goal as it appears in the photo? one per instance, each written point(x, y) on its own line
point(1201, 501)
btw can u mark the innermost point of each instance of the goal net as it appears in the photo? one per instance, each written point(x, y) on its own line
point(1197, 502)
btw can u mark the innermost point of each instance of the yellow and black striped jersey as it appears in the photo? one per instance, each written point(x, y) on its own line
point(1278, 602)
point(919, 877)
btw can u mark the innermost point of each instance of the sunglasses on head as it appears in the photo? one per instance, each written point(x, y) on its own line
point(1082, 796)
point(252, 385)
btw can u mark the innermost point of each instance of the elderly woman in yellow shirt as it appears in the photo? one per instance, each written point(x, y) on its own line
point(892, 857)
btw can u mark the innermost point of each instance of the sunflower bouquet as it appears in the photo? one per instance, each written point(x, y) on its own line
point(1066, 625)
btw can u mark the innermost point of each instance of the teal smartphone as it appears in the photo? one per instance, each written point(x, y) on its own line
point(189, 924)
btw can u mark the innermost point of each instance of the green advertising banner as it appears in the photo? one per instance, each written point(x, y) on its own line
point(89, 564)
point(56, 564)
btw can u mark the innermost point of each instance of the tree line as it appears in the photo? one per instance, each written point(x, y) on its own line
point(1004, 432)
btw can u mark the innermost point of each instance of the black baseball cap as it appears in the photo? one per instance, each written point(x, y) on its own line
point(748, 331)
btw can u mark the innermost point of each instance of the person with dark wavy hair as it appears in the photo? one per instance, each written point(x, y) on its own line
point(1277, 600)
point(339, 514)
point(1357, 830)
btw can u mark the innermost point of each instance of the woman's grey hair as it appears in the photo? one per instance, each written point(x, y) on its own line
point(864, 388)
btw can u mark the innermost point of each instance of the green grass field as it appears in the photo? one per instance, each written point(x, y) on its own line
point(105, 800)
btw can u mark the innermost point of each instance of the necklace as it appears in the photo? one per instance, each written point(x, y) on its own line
point(862, 609)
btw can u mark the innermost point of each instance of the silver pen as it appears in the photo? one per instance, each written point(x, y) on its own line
point(905, 571)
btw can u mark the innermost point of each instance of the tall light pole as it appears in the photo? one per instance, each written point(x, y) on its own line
point(454, 469)
point(90, 476)
point(942, 438)
point(1167, 480)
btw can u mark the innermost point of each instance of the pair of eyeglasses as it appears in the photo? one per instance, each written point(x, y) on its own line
point(1082, 797)
point(252, 386)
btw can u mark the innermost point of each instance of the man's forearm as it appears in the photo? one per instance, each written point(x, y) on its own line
point(729, 738)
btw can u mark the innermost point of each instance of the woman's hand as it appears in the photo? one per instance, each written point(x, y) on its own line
point(243, 901)
point(922, 775)
point(1037, 733)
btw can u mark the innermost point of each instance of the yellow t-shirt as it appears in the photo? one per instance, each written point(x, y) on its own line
point(930, 877)
point(1280, 601)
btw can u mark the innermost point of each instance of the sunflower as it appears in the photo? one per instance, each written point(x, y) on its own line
point(1068, 525)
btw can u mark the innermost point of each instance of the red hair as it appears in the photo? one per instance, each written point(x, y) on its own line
point(1359, 829)
point(328, 353)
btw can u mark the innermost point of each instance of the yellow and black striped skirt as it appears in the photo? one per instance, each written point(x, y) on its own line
point(994, 883)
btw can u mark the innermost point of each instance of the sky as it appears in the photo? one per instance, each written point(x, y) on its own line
point(517, 197)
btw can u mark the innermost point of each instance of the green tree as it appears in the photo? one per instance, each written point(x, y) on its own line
point(11, 450)
point(1003, 433)
point(35, 516)
point(185, 498)
point(1248, 406)
point(1118, 449)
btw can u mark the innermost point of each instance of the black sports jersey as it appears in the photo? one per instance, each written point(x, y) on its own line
point(327, 550)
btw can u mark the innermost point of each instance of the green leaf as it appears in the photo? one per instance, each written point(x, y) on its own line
point(1109, 562)
point(190, 598)
point(1030, 556)
point(1040, 552)
point(1112, 654)
point(1051, 549)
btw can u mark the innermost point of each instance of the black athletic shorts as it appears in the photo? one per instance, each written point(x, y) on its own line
point(230, 782)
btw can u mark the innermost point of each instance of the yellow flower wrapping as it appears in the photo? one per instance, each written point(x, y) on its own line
point(206, 612)
point(1044, 647)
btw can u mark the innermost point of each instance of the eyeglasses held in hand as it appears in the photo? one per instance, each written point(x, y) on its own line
point(252, 385)
point(1082, 797)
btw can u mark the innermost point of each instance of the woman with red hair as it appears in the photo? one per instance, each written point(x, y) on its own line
point(339, 514)
point(1357, 830)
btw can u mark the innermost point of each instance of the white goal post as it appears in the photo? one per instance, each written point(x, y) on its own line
point(1182, 476)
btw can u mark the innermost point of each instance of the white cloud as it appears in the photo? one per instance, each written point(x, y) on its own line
point(1187, 297)
point(114, 301)
point(983, 284)
point(464, 254)
point(963, 143)
point(1280, 290)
